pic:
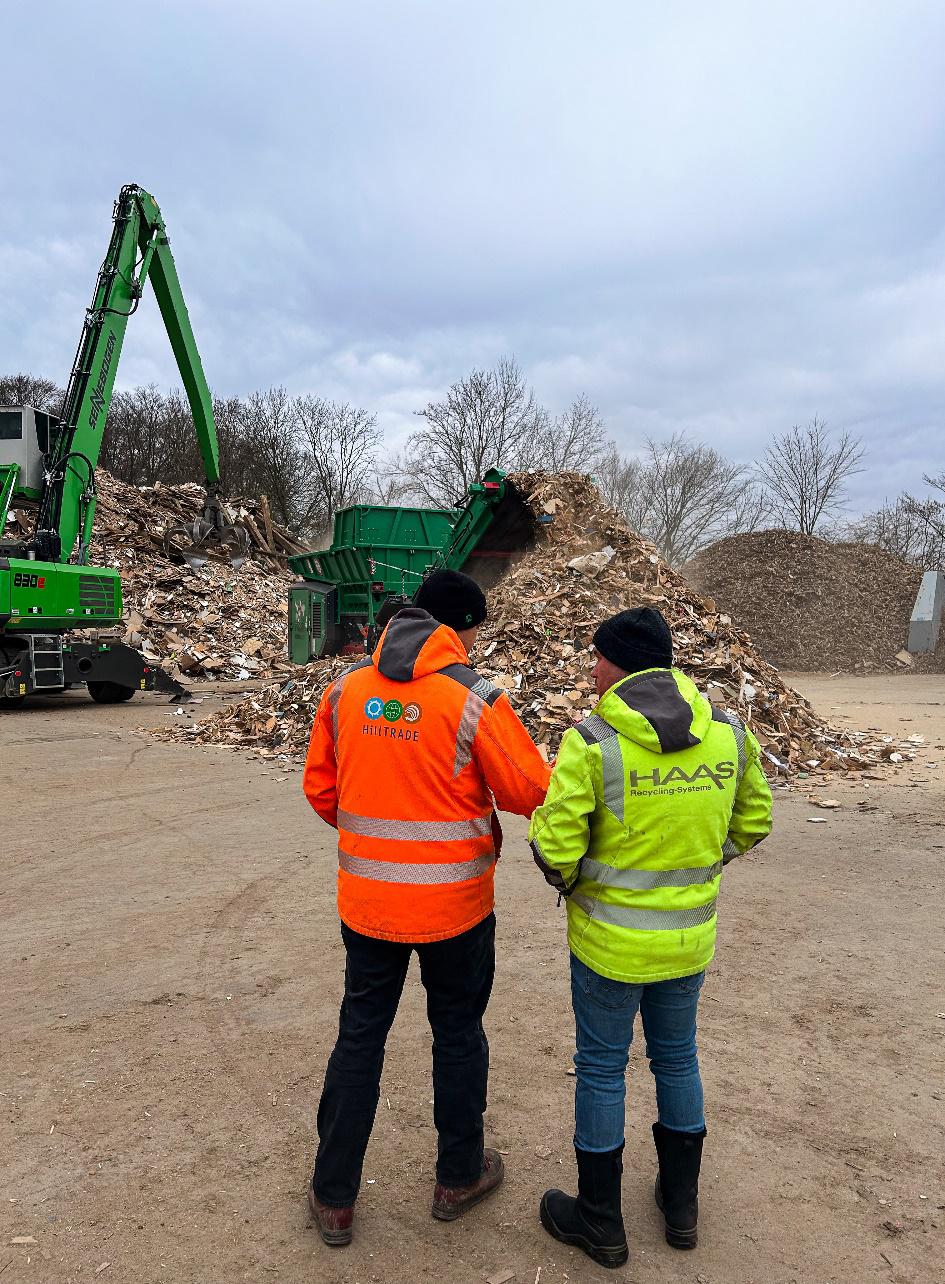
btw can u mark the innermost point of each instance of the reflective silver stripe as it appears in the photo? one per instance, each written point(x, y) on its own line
point(334, 695)
point(738, 730)
point(644, 920)
point(416, 831)
point(614, 783)
point(729, 850)
point(484, 688)
point(595, 730)
point(466, 731)
point(388, 871)
point(644, 880)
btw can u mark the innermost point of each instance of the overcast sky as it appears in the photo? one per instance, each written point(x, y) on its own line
point(724, 218)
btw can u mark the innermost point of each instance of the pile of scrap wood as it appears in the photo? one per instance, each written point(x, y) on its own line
point(809, 603)
point(585, 564)
point(212, 622)
point(145, 514)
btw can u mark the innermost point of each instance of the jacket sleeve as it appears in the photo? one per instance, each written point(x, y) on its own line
point(510, 764)
point(320, 778)
point(560, 828)
point(751, 815)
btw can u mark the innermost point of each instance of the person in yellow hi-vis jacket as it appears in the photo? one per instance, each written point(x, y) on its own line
point(650, 796)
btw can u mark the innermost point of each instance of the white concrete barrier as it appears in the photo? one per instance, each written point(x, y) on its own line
point(927, 613)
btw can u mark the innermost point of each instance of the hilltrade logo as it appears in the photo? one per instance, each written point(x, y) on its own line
point(383, 717)
point(392, 710)
point(718, 774)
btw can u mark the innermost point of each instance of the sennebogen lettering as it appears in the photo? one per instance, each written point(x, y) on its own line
point(97, 399)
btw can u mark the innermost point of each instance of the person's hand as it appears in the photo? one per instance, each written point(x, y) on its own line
point(496, 833)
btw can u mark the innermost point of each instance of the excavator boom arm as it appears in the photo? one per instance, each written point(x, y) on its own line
point(167, 291)
point(138, 250)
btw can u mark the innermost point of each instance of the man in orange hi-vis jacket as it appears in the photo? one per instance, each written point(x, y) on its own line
point(411, 753)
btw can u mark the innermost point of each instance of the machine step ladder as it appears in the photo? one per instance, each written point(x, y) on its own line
point(46, 661)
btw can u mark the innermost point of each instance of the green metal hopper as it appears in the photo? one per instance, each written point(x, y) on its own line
point(379, 556)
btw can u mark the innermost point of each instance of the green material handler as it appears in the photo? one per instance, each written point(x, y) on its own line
point(47, 588)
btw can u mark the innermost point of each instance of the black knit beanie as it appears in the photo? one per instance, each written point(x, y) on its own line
point(636, 639)
point(452, 598)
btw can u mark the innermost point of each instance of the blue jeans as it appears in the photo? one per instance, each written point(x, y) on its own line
point(604, 1012)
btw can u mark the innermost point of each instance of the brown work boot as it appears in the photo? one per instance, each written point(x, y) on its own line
point(450, 1202)
point(334, 1224)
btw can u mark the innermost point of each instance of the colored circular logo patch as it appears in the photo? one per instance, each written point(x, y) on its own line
point(393, 710)
point(412, 713)
point(374, 708)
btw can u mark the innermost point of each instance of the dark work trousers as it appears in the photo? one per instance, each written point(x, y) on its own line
point(457, 975)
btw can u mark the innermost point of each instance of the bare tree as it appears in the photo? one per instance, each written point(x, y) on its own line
point(680, 494)
point(750, 510)
point(574, 441)
point(618, 478)
point(691, 496)
point(30, 390)
point(281, 469)
point(390, 483)
point(929, 516)
point(490, 419)
point(134, 444)
point(342, 441)
point(237, 464)
point(896, 527)
point(805, 473)
point(150, 436)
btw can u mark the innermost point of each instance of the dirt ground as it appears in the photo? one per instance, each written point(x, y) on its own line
point(172, 970)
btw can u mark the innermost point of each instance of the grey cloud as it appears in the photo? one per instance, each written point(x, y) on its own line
point(719, 218)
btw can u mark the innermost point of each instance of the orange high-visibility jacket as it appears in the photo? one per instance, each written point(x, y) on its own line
point(408, 751)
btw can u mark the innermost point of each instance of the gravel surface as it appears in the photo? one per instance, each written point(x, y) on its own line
point(173, 969)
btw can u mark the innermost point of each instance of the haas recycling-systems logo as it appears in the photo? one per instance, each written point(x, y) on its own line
point(392, 710)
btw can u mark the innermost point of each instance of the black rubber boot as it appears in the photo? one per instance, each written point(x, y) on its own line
point(593, 1221)
point(677, 1185)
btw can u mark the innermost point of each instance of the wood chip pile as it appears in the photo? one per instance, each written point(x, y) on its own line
point(213, 622)
point(585, 564)
point(812, 605)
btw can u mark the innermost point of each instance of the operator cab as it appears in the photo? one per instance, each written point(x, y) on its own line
point(25, 434)
point(24, 440)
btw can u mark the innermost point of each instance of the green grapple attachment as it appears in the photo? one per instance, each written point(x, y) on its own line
point(209, 535)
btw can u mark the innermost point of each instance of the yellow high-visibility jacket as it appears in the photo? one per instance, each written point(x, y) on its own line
point(649, 797)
